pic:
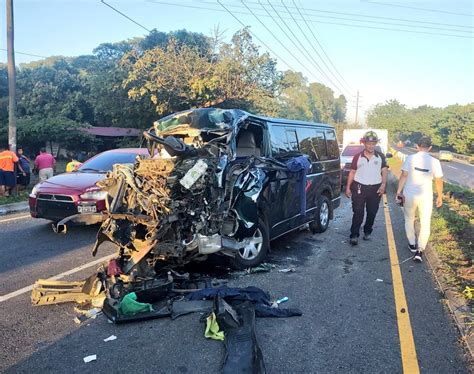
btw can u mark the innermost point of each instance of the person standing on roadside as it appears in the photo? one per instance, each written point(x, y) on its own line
point(7, 171)
point(24, 169)
point(366, 184)
point(45, 165)
point(415, 190)
point(73, 164)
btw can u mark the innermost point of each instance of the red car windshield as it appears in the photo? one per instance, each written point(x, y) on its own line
point(352, 150)
point(104, 161)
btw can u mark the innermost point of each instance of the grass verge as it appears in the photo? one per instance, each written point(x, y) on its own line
point(22, 196)
point(452, 239)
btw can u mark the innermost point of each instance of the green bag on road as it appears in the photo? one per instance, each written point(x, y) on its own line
point(130, 306)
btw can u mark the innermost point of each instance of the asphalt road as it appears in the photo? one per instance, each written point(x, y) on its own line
point(349, 322)
point(454, 172)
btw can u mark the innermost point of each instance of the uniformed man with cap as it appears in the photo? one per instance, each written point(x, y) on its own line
point(366, 185)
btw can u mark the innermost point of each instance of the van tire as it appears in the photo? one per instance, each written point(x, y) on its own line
point(239, 262)
point(323, 213)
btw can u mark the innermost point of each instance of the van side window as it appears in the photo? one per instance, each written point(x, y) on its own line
point(305, 136)
point(320, 144)
point(331, 142)
point(292, 140)
point(283, 140)
point(312, 143)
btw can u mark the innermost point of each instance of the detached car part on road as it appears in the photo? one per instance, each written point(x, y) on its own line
point(223, 181)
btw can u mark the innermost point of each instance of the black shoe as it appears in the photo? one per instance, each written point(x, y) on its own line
point(413, 248)
point(366, 236)
point(354, 241)
point(418, 256)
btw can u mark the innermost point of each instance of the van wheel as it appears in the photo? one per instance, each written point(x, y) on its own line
point(255, 251)
point(321, 219)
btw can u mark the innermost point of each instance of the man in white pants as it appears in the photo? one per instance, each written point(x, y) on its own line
point(416, 182)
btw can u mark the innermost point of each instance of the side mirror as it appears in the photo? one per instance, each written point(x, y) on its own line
point(388, 155)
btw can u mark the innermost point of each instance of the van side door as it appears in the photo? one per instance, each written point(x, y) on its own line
point(283, 185)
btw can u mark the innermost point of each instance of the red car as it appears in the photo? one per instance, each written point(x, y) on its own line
point(71, 193)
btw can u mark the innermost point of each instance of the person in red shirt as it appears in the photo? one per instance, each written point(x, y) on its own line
point(45, 165)
point(7, 170)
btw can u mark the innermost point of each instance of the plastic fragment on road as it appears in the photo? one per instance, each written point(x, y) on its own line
point(110, 338)
point(86, 314)
point(468, 293)
point(47, 292)
point(276, 303)
point(130, 306)
point(287, 270)
point(90, 358)
point(379, 280)
point(212, 328)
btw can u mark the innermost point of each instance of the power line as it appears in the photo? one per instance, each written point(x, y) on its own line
point(24, 53)
point(317, 53)
point(324, 51)
point(323, 22)
point(424, 9)
point(306, 54)
point(278, 40)
point(366, 21)
point(377, 17)
point(254, 35)
point(124, 15)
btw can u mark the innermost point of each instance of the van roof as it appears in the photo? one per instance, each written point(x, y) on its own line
point(219, 120)
point(289, 121)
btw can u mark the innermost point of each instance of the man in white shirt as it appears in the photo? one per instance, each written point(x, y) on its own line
point(416, 182)
point(366, 185)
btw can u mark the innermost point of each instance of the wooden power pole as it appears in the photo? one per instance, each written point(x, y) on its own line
point(11, 79)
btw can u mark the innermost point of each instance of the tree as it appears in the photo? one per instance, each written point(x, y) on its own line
point(180, 76)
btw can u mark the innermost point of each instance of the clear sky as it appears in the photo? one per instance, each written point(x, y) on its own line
point(415, 68)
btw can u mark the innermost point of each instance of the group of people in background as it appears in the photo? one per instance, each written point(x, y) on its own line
point(15, 169)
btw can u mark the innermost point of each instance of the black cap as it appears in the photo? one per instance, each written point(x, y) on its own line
point(424, 142)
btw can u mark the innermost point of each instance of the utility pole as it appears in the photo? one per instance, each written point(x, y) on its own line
point(11, 79)
point(357, 108)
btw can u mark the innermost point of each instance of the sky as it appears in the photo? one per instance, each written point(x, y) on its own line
point(344, 44)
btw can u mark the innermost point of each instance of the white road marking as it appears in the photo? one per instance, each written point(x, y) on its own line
point(56, 277)
point(452, 167)
point(14, 218)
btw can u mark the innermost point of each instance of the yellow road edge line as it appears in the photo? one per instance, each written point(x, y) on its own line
point(15, 218)
point(405, 333)
point(57, 277)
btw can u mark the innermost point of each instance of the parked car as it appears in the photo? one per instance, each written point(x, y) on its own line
point(446, 156)
point(231, 183)
point(70, 193)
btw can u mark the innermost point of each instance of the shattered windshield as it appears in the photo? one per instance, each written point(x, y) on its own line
point(207, 119)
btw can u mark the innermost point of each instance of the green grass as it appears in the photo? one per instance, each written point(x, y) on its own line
point(452, 236)
point(452, 233)
point(22, 196)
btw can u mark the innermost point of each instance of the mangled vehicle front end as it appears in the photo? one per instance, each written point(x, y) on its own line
point(194, 197)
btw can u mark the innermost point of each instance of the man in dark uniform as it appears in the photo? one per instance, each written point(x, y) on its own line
point(366, 185)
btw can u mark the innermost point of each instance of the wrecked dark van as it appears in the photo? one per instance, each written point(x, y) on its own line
point(221, 181)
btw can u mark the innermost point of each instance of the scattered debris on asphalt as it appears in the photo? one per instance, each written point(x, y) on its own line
point(90, 358)
point(110, 338)
point(287, 270)
point(379, 280)
point(85, 315)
